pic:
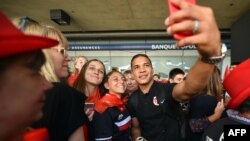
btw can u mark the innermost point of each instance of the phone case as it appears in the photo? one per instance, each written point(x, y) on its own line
point(172, 8)
point(89, 106)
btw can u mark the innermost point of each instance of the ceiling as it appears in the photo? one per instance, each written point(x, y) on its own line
point(116, 15)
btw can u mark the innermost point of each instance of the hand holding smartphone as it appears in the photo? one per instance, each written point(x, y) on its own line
point(89, 106)
point(173, 8)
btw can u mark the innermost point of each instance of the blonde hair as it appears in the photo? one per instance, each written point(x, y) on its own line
point(75, 70)
point(29, 26)
point(53, 32)
point(32, 27)
point(48, 68)
point(214, 86)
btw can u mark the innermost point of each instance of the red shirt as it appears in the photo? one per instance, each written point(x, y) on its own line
point(72, 79)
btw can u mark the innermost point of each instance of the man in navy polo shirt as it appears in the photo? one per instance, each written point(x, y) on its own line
point(155, 107)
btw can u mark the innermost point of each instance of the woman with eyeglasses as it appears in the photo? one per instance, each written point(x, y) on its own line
point(63, 116)
point(90, 83)
point(56, 68)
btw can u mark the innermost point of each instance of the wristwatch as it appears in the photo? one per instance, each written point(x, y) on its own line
point(216, 59)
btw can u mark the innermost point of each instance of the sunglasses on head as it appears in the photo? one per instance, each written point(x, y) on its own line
point(24, 21)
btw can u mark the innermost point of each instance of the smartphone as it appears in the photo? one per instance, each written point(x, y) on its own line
point(89, 106)
point(173, 8)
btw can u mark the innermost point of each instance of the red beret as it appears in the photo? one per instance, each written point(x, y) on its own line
point(237, 84)
point(13, 41)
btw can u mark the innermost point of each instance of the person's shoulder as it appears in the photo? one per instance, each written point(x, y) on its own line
point(159, 85)
point(59, 85)
point(163, 84)
point(133, 99)
point(205, 98)
point(215, 130)
point(64, 89)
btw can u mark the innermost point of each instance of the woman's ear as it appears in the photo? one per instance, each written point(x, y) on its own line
point(106, 85)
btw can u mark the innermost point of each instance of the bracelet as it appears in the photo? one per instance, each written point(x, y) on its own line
point(216, 59)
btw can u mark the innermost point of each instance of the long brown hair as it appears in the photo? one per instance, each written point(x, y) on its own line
point(80, 82)
point(214, 86)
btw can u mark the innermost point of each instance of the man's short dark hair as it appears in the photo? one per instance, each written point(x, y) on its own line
point(127, 72)
point(174, 72)
point(157, 75)
point(140, 55)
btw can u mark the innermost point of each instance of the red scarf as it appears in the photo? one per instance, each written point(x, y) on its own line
point(94, 97)
point(40, 134)
point(72, 79)
point(109, 100)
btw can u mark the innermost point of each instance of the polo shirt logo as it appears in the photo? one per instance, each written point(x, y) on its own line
point(120, 116)
point(155, 101)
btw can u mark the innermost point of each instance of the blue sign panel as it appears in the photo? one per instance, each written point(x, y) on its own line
point(132, 46)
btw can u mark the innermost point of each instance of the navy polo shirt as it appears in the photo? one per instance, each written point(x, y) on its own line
point(112, 124)
point(154, 124)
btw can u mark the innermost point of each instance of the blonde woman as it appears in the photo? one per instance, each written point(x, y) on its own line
point(63, 114)
point(78, 64)
point(56, 67)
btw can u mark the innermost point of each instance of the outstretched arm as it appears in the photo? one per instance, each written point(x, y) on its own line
point(206, 38)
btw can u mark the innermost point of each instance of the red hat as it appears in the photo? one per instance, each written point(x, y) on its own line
point(13, 41)
point(237, 84)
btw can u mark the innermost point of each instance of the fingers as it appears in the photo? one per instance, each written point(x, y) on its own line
point(90, 116)
point(220, 104)
point(181, 26)
point(198, 20)
point(190, 40)
point(87, 111)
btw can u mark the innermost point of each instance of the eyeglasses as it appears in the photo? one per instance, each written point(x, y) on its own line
point(62, 51)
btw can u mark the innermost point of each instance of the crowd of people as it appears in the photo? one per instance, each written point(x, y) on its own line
point(36, 91)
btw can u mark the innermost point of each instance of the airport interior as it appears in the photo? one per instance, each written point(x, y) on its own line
point(114, 31)
point(48, 94)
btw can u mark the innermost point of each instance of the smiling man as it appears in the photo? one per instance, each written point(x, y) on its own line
point(154, 107)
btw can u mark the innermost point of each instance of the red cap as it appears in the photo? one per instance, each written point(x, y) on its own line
point(237, 84)
point(13, 41)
